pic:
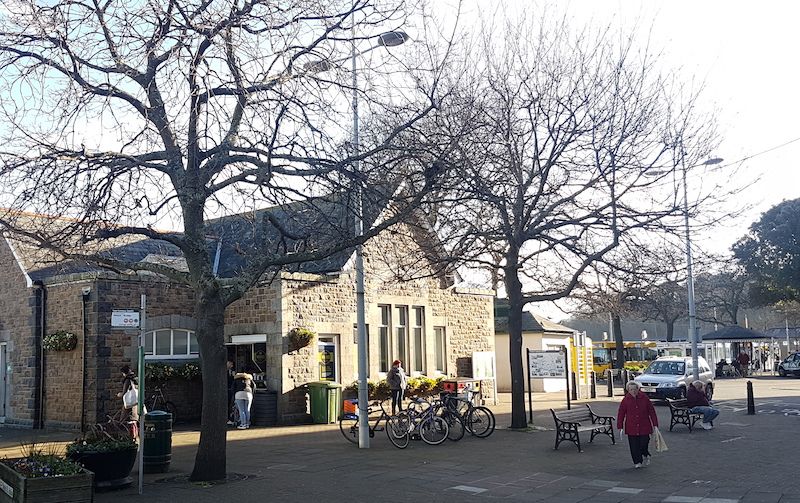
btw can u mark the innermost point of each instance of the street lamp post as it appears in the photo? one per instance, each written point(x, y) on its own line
point(689, 273)
point(388, 39)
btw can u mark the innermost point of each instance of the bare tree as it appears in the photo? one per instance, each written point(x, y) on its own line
point(566, 127)
point(663, 294)
point(722, 294)
point(128, 116)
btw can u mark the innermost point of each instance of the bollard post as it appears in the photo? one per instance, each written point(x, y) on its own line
point(751, 404)
point(625, 377)
point(574, 386)
point(610, 383)
point(592, 385)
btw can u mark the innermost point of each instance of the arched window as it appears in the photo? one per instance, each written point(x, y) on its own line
point(170, 343)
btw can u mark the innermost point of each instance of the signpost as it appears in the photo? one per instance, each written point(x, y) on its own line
point(130, 319)
point(545, 364)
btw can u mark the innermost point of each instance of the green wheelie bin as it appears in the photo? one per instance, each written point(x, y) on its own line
point(326, 401)
point(157, 440)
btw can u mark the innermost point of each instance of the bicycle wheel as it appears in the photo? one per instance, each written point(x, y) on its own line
point(455, 425)
point(433, 430)
point(480, 422)
point(348, 425)
point(397, 430)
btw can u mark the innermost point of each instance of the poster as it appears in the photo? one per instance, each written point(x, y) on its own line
point(547, 363)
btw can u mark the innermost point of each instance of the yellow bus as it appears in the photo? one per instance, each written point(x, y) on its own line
point(637, 353)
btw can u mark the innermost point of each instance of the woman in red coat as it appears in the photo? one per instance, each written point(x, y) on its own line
point(638, 417)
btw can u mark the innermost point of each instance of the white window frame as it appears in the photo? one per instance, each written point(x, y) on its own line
point(385, 347)
point(171, 356)
point(417, 350)
point(440, 348)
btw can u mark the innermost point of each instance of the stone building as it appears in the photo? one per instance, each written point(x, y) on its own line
point(429, 322)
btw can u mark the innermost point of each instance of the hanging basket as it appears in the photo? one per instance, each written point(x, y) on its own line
point(299, 338)
point(60, 340)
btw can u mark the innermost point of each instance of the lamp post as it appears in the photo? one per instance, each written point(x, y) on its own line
point(689, 273)
point(388, 39)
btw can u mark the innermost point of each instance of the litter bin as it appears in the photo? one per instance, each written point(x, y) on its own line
point(326, 399)
point(157, 439)
point(465, 388)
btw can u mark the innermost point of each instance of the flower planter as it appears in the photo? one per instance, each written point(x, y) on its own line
point(112, 470)
point(17, 488)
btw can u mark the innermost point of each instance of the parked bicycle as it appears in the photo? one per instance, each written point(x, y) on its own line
point(453, 420)
point(418, 419)
point(158, 401)
point(478, 420)
point(349, 421)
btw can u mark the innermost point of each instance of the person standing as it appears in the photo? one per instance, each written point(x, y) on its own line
point(243, 386)
point(698, 403)
point(637, 417)
point(744, 363)
point(397, 381)
point(231, 374)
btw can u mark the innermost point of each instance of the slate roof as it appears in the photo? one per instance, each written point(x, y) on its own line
point(314, 223)
point(733, 333)
point(530, 322)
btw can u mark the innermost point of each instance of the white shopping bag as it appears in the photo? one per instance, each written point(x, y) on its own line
point(658, 440)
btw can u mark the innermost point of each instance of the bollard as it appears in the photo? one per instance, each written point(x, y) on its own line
point(574, 386)
point(751, 404)
point(625, 377)
point(592, 385)
point(610, 383)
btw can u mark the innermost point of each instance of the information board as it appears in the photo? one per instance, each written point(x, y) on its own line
point(547, 363)
point(126, 318)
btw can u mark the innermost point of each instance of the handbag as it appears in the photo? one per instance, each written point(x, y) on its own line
point(660, 443)
point(131, 397)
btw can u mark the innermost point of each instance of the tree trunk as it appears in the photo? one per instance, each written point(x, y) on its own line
point(515, 304)
point(210, 462)
point(619, 343)
point(670, 330)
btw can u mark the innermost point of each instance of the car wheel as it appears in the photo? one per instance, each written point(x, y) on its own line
point(709, 391)
point(781, 372)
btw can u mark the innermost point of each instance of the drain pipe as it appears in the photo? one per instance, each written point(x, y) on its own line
point(85, 293)
point(39, 315)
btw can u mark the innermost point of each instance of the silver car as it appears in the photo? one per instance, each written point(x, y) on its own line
point(670, 376)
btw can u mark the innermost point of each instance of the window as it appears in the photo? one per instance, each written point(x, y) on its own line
point(401, 335)
point(418, 333)
point(170, 343)
point(383, 338)
point(439, 350)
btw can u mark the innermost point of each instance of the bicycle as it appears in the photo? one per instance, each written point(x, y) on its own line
point(454, 422)
point(478, 420)
point(348, 422)
point(158, 401)
point(417, 420)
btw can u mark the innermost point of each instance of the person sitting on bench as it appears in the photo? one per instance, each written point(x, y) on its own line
point(698, 404)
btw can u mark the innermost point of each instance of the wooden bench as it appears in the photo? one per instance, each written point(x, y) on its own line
point(679, 414)
point(569, 423)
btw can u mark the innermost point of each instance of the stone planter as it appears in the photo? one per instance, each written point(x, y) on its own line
point(16, 488)
point(112, 470)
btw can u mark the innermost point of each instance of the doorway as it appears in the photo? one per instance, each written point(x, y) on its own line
point(327, 355)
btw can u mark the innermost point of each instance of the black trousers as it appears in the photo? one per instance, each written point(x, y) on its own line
point(397, 400)
point(639, 447)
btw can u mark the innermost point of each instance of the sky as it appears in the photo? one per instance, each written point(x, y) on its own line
point(746, 55)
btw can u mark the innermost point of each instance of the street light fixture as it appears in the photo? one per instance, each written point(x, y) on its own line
point(388, 39)
point(689, 273)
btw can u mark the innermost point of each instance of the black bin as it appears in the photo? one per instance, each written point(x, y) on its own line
point(157, 441)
